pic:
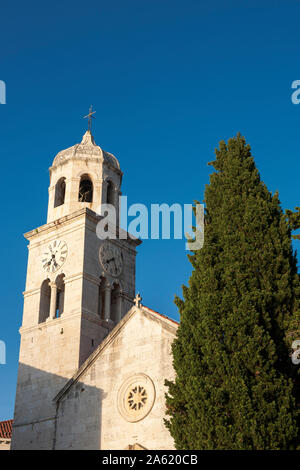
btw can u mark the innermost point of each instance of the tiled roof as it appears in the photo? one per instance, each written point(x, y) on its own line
point(5, 429)
point(161, 315)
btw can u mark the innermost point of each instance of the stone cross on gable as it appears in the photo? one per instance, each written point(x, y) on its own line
point(137, 300)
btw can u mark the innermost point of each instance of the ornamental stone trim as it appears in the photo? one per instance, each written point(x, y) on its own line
point(136, 397)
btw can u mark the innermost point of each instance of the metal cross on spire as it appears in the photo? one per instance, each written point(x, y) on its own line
point(90, 117)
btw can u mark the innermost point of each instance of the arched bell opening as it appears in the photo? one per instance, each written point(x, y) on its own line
point(85, 193)
point(60, 295)
point(60, 192)
point(110, 199)
point(101, 298)
point(45, 296)
point(115, 307)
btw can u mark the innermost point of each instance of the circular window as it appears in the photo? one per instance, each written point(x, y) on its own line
point(136, 397)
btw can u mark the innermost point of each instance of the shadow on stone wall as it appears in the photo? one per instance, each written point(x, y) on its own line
point(73, 422)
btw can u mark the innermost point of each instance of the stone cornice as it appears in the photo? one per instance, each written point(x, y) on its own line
point(55, 224)
point(85, 214)
point(86, 159)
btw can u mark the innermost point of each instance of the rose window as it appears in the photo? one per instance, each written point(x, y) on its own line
point(137, 398)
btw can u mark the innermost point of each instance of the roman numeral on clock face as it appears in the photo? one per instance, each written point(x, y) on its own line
point(111, 258)
point(55, 255)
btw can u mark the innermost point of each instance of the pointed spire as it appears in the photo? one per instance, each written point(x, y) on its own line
point(88, 139)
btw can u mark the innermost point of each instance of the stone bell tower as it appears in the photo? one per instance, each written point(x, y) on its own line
point(78, 286)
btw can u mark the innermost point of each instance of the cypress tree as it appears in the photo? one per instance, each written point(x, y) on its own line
point(235, 385)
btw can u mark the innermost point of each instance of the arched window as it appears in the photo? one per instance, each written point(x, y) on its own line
point(115, 303)
point(60, 191)
point(101, 298)
point(60, 296)
point(110, 197)
point(85, 189)
point(44, 310)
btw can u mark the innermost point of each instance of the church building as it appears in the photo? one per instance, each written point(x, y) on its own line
point(93, 359)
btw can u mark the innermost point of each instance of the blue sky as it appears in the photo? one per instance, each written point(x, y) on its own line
point(169, 80)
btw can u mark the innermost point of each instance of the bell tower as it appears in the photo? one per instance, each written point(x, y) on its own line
point(78, 286)
point(83, 176)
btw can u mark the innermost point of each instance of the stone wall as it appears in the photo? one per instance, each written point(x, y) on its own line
point(93, 413)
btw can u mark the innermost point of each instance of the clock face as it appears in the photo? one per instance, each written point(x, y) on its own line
point(111, 259)
point(54, 256)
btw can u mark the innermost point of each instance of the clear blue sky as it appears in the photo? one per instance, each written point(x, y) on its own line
point(169, 80)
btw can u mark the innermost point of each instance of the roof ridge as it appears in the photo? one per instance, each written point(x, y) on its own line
point(160, 314)
point(104, 343)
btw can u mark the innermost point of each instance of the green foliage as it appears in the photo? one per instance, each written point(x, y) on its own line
point(235, 385)
point(294, 220)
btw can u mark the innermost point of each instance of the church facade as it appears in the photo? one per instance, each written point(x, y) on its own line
point(93, 359)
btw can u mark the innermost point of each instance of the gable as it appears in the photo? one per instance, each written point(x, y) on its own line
point(117, 398)
point(147, 322)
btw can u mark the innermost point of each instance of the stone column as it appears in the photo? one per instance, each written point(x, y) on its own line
point(104, 192)
point(71, 194)
point(117, 194)
point(97, 196)
point(107, 302)
point(53, 300)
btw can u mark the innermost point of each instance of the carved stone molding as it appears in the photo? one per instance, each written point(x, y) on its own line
point(136, 397)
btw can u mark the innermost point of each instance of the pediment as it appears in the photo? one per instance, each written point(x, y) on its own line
point(142, 319)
